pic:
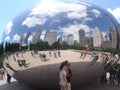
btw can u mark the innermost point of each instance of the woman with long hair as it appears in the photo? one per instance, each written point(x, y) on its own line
point(62, 78)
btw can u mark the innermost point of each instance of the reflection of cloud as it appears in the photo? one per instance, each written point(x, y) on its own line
point(8, 27)
point(33, 21)
point(96, 13)
point(16, 37)
point(87, 19)
point(56, 20)
point(104, 34)
point(7, 38)
point(74, 11)
point(115, 12)
point(73, 29)
point(30, 38)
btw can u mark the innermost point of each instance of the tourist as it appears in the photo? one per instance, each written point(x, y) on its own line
point(59, 54)
point(112, 76)
point(8, 78)
point(118, 76)
point(62, 78)
point(84, 55)
point(81, 55)
point(44, 56)
point(50, 53)
point(32, 54)
point(95, 58)
point(55, 53)
point(69, 75)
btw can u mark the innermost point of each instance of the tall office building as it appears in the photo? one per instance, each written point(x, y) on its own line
point(60, 40)
point(82, 37)
point(113, 38)
point(36, 36)
point(24, 38)
point(97, 37)
point(70, 39)
point(50, 37)
point(89, 41)
point(118, 35)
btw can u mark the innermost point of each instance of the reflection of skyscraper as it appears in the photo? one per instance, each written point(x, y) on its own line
point(50, 37)
point(70, 39)
point(97, 37)
point(60, 40)
point(82, 38)
point(24, 38)
point(36, 36)
point(89, 41)
point(113, 37)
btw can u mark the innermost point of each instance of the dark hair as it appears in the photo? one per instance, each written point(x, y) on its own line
point(66, 61)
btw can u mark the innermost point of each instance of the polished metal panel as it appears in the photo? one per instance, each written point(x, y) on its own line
point(57, 26)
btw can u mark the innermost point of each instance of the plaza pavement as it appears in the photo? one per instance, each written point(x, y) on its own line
point(71, 56)
point(17, 86)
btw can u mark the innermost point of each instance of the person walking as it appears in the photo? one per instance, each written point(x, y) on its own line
point(8, 78)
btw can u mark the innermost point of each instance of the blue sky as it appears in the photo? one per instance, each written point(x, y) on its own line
point(10, 8)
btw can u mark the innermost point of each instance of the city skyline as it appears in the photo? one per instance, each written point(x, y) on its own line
point(14, 8)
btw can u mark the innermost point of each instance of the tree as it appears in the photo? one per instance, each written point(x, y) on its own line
point(56, 45)
point(1, 49)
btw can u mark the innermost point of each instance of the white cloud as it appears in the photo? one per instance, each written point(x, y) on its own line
point(30, 38)
point(73, 29)
point(56, 20)
point(16, 37)
point(7, 38)
point(104, 34)
point(33, 21)
point(9, 27)
point(96, 13)
point(39, 13)
point(115, 12)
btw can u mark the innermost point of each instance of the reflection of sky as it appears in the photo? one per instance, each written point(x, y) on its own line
point(66, 21)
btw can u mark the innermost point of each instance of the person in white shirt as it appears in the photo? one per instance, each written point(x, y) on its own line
point(62, 78)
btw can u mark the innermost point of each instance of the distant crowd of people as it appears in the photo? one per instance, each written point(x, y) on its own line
point(4, 74)
point(43, 56)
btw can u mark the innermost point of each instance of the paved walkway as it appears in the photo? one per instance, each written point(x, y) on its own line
point(46, 71)
point(95, 86)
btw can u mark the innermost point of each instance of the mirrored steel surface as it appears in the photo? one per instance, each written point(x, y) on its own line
point(40, 39)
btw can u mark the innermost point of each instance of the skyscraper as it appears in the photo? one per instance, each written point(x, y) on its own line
point(60, 40)
point(36, 36)
point(24, 38)
point(97, 37)
point(70, 39)
point(50, 37)
point(82, 37)
point(113, 38)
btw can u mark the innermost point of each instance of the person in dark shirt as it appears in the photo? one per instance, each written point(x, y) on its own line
point(69, 75)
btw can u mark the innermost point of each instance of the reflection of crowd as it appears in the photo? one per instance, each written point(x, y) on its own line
point(2, 73)
point(43, 56)
point(112, 76)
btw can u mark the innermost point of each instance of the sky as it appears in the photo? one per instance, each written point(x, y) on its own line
point(11, 8)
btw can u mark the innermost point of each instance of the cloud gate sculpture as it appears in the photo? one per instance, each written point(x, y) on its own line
point(34, 38)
